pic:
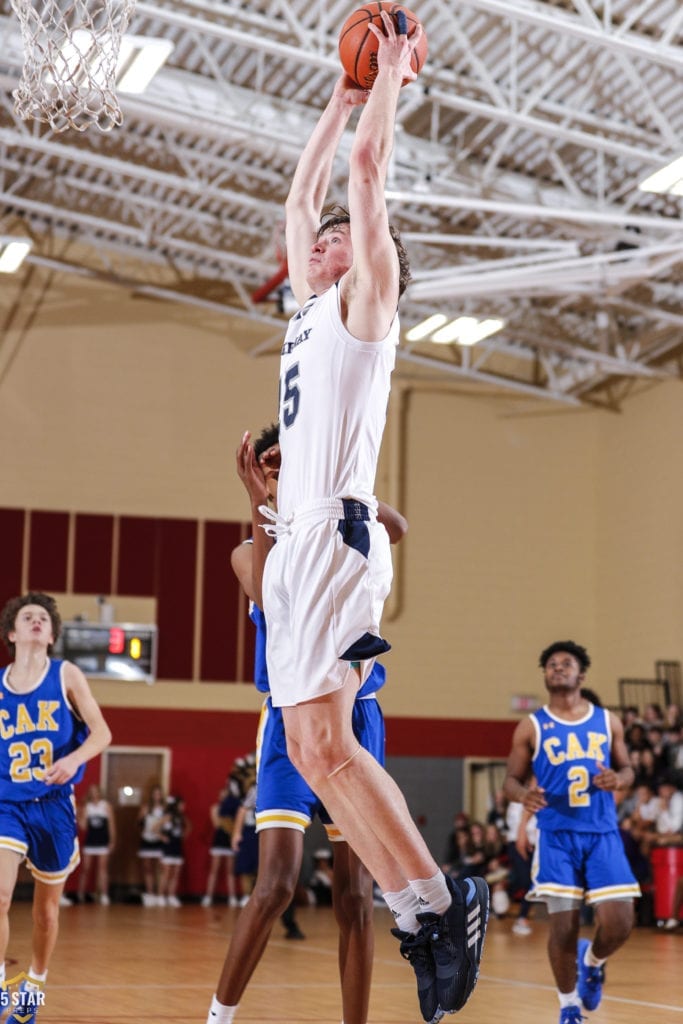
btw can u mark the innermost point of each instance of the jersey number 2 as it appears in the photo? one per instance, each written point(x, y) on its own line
point(579, 781)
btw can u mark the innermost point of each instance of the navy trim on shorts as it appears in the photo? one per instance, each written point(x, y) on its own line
point(355, 533)
point(366, 647)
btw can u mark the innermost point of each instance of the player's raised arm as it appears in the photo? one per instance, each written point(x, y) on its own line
point(311, 180)
point(371, 288)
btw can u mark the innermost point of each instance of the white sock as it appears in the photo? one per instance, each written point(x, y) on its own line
point(2, 973)
point(34, 976)
point(432, 893)
point(220, 1014)
point(404, 906)
point(568, 999)
point(591, 960)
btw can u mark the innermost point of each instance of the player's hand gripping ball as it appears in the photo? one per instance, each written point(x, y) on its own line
point(358, 45)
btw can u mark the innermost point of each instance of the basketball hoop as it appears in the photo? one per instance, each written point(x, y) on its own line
point(71, 50)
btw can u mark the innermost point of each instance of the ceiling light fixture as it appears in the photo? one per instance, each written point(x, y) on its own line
point(13, 252)
point(464, 330)
point(425, 327)
point(139, 60)
point(666, 179)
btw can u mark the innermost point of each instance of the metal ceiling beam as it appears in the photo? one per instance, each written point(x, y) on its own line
point(558, 22)
point(525, 211)
point(484, 378)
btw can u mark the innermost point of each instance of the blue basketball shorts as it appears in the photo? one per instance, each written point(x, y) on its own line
point(283, 798)
point(577, 865)
point(44, 832)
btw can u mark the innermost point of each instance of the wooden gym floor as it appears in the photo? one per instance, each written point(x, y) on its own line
point(135, 965)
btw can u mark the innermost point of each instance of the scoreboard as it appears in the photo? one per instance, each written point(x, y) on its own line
point(125, 650)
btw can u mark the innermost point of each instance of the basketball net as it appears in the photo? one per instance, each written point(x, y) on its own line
point(71, 49)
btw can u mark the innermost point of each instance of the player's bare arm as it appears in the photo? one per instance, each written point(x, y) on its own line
point(248, 560)
point(393, 522)
point(519, 785)
point(620, 775)
point(311, 180)
point(370, 289)
point(87, 709)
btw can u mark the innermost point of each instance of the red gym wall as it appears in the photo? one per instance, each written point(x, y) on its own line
point(138, 556)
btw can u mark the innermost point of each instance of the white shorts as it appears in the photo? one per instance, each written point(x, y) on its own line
point(324, 587)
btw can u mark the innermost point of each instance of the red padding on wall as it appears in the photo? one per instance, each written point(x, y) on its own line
point(175, 593)
point(12, 533)
point(93, 554)
point(220, 603)
point(448, 737)
point(49, 541)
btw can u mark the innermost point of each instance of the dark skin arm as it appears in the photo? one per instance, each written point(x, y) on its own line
point(392, 521)
point(519, 784)
point(620, 775)
point(248, 560)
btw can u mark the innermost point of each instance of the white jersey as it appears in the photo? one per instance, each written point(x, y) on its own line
point(334, 391)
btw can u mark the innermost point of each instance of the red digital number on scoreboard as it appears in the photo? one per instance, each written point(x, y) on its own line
point(117, 641)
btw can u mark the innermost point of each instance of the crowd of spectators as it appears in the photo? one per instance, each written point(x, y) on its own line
point(651, 812)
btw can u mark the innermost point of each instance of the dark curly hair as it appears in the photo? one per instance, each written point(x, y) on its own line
point(266, 439)
point(568, 647)
point(8, 616)
point(337, 215)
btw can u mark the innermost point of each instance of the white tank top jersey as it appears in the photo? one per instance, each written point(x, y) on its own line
point(334, 391)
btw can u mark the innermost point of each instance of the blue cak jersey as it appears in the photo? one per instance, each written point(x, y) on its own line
point(260, 668)
point(372, 684)
point(565, 762)
point(36, 729)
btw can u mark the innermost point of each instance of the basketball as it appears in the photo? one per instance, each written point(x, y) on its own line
point(358, 45)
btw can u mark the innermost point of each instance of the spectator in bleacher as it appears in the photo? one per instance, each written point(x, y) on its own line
point(636, 737)
point(653, 716)
point(630, 716)
point(648, 772)
point(655, 737)
point(673, 717)
point(496, 815)
point(667, 827)
point(458, 849)
point(673, 753)
point(642, 804)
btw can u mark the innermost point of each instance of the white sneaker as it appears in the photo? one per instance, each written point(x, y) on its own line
point(149, 899)
point(207, 901)
point(173, 901)
point(234, 901)
point(671, 924)
point(160, 901)
point(245, 899)
point(64, 901)
point(104, 900)
point(521, 927)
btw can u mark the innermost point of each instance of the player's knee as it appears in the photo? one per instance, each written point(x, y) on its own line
point(272, 894)
point(45, 915)
point(322, 758)
point(5, 900)
point(354, 908)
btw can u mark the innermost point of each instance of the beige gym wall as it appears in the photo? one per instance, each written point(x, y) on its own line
point(523, 529)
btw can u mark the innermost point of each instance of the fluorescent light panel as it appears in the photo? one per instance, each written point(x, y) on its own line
point(13, 252)
point(666, 179)
point(465, 330)
point(421, 330)
point(139, 61)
